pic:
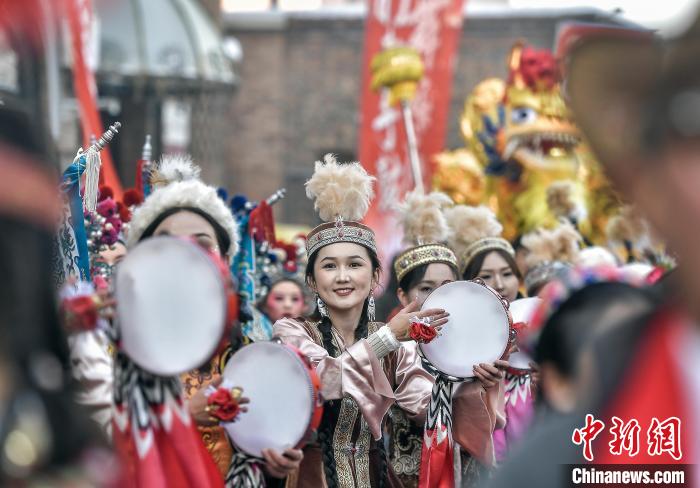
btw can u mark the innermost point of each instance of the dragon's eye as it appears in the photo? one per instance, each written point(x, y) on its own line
point(523, 115)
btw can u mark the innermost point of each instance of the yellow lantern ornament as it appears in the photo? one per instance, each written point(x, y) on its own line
point(399, 70)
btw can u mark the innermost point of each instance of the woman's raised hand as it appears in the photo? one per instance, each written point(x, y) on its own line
point(489, 375)
point(199, 402)
point(282, 464)
point(400, 325)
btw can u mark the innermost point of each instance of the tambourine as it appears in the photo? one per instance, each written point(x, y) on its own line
point(285, 406)
point(522, 311)
point(171, 305)
point(478, 329)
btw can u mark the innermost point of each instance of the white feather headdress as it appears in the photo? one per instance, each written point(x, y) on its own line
point(340, 190)
point(176, 184)
point(548, 245)
point(172, 169)
point(422, 218)
point(550, 252)
point(342, 194)
point(474, 230)
point(564, 203)
point(425, 230)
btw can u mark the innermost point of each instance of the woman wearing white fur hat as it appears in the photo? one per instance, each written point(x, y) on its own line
point(182, 205)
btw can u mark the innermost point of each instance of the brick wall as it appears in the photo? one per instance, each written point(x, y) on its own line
point(300, 86)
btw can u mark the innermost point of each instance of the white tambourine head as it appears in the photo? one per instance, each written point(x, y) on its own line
point(281, 396)
point(477, 331)
point(522, 310)
point(171, 305)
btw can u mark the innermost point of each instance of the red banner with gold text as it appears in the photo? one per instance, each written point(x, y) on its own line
point(80, 21)
point(433, 28)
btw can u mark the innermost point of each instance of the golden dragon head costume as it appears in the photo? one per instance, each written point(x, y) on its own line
point(520, 140)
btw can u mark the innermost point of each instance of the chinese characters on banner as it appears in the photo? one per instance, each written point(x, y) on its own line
point(433, 28)
point(81, 23)
point(662, 437)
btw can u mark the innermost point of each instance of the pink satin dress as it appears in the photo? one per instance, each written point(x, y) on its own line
point(359, 388)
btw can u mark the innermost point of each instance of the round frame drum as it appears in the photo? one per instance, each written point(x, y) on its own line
point(171, 305)
point(522, 310)
point(478, 329)
point(284, 392)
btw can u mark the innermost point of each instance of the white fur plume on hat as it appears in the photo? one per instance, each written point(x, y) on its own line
point(561, 244)
point(176, 184)
point(469, 224)
point(422, 218)
point(340, 190)
point(628, 227)
point(564, 203)
point(173, 169)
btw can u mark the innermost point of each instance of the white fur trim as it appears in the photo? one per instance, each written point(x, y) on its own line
point(175, 168)
point(192, 193)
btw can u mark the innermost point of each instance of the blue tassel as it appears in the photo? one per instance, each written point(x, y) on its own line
point(70, 185)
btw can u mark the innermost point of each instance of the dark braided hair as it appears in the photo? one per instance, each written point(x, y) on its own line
point(383, 464)
point(331, 411)
point(331, 408)
point(325, 326)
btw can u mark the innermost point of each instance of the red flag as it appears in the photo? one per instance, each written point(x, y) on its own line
point(433, 28)
point(168, 452)
point(437, 460)
point(25, 18)
point(80, 15)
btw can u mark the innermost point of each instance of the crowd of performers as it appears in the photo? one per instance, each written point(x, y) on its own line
point(607, 334)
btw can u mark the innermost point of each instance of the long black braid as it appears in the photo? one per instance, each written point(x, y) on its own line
point(331, 408)
point(383, 464)
point(331, 411)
